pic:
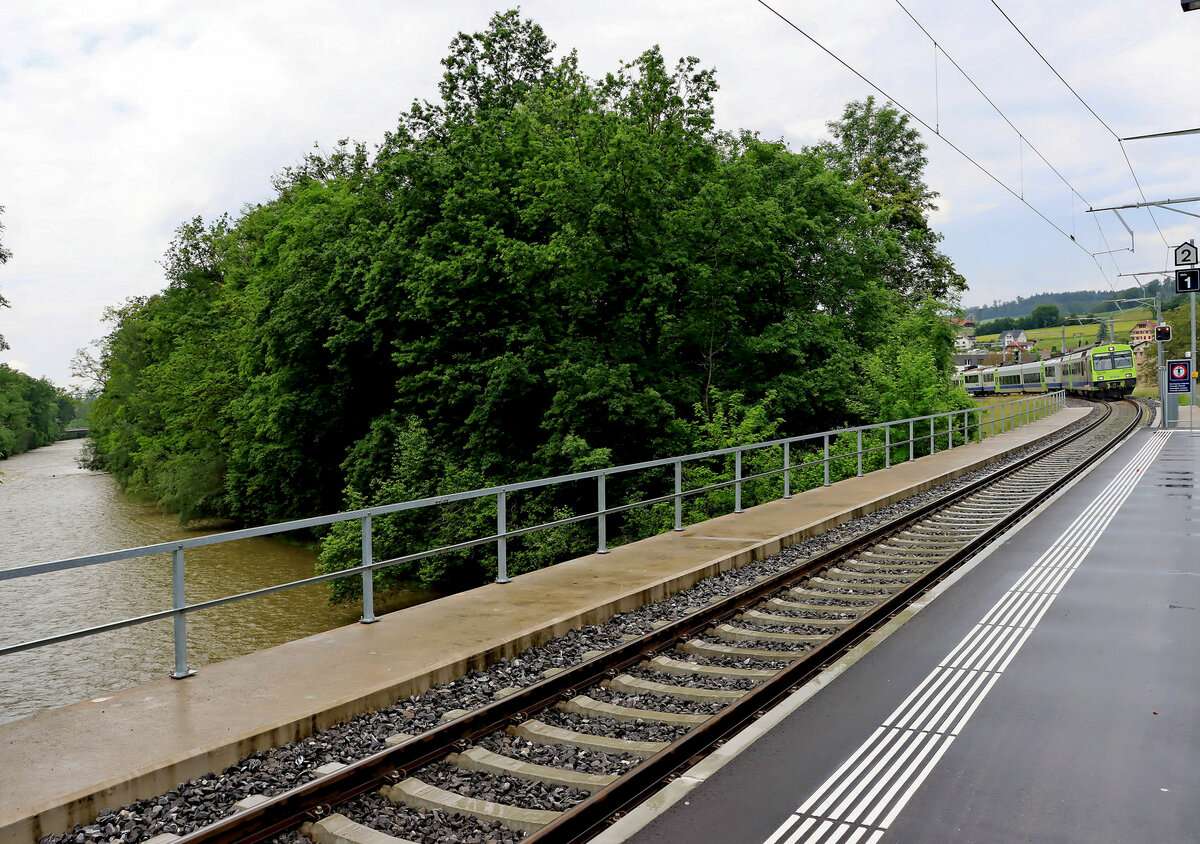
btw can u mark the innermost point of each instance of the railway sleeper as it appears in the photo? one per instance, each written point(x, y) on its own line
point(339, 829)
point(540, 732)
point(921, 540)
point(847, 601)
point(638, 686)
point(864, 589)
point(682, 668)
point(591, 708)
point(417, 794)
point(907, 565)
point(481, 759)
point(944, 533)
point(965, 523)
point(712, 650)
point(967, 510)
point(986, 503)
point(871, 579)
point(759, 617)
point(741, 634)
point(815, 609)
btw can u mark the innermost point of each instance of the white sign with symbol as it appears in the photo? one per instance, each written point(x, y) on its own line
point(1179, 376)
point(1185, 253)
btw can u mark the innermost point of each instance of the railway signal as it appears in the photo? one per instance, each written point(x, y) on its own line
point(1162, 333)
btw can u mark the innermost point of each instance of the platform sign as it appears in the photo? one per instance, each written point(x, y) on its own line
point(1187, 281)
point(1179, 376)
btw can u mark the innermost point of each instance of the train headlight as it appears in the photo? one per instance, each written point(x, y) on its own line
point(1099, 377)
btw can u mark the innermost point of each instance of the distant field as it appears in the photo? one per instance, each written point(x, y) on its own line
point(1088, 331)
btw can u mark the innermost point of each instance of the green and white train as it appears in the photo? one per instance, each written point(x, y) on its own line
point(1104, 371)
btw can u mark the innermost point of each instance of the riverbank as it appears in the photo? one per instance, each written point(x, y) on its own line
point(52, 509)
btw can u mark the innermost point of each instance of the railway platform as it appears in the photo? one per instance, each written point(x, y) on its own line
point(63, 766)
point(1051, 695)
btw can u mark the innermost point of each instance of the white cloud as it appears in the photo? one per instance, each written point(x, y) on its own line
point(121, 119)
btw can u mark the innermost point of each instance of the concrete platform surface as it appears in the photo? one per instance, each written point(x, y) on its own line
point(1054, 697)
point(62, 767)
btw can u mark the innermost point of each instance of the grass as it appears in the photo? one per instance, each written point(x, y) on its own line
point(1089, 331)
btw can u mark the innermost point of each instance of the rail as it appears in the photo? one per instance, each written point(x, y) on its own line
point(957, 424)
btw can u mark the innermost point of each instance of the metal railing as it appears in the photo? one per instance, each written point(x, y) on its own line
point(920, 431)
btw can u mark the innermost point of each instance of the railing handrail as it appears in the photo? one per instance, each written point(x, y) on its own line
point(1033, 404)
point(435, 500)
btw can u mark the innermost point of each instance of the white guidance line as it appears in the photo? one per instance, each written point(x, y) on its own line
point(862, 799)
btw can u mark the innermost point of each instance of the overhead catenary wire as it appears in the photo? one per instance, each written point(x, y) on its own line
point(1117, 137)
point(989, 101)
point(923, 123)
point(1022, 143)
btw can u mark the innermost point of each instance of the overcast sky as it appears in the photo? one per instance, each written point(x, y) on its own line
point(120, 119)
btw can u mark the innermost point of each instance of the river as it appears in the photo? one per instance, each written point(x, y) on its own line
point(50, 509)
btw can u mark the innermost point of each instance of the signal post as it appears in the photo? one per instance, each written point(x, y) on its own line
point(1177, 376)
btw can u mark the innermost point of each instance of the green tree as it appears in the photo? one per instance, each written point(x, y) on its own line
point(162, 422)
point(33, 412)
point(1044, 316)
point(877, 149)
point(539, 273)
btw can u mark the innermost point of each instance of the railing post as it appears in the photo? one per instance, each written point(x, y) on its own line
point(737, 481)
point(827, 460)
point(932, 431)
point(979, 423)
point(501, 538)
point(949, 431)
point(368, 576)
point(912, 439)
point(860, 452)
point(178, 602)
point(787, 470)
point(887, 446)
point(602, 522)
point(678, 495)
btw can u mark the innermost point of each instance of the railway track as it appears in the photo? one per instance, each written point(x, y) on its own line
point(558, 759)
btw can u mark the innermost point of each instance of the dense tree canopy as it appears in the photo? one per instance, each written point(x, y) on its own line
point(540, 273)
point(33, 412)
point(876, 149)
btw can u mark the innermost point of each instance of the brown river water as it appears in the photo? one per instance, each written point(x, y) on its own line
point(50, 509)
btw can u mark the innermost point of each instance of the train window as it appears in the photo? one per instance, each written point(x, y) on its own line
point(1123, 360)
point(1102, 363)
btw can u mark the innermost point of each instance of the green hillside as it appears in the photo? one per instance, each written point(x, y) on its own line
point(1078, 334)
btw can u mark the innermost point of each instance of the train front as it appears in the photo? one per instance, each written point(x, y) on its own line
point(1113, 375)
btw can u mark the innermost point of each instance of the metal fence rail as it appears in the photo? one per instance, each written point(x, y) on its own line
point(942, 427)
